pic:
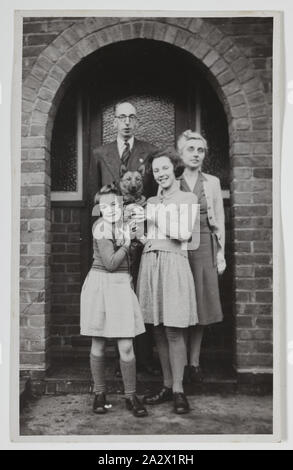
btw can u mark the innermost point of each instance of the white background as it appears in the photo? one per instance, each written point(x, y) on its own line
point(7, 8)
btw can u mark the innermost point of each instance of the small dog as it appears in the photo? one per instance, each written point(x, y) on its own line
point(131, 188)
point(131, 185)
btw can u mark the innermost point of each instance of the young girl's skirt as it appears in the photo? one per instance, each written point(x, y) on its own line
point(109, 307)
point(165, 290)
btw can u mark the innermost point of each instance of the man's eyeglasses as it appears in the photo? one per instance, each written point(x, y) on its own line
point(123, 118)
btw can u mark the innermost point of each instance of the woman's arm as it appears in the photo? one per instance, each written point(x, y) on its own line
point(220, 218)
point(219, 213)
point(177, 220)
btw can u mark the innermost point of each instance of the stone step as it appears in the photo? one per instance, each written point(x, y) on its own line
point(57, 386)
point(75, 379)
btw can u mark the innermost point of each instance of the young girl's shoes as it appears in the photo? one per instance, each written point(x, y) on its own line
point(99, 403)
point(134, 404)
point(181, 405)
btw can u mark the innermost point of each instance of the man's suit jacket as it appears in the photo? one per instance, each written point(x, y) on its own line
point(105, 166)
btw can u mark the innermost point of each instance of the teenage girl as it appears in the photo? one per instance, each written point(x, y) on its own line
point(165, 284)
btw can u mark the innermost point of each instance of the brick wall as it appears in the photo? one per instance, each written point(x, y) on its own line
point(253, 37)
point(237, 55)
point(252, 197)
point(37, 34)
point(34, 260)
point(66, 281)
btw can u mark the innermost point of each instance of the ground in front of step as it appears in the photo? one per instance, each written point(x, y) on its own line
point(210, 414)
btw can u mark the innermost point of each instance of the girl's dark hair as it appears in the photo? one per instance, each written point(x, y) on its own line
point(107, 189)
point(170, 153)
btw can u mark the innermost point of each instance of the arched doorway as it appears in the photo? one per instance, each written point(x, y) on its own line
point(171, 93)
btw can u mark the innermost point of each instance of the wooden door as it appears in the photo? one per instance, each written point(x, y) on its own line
point(161, 119)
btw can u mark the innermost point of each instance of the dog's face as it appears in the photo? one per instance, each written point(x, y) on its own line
point(131, 182)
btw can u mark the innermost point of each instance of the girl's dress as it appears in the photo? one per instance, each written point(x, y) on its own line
point(203, 263)
point(109, 306)
point(165, 284)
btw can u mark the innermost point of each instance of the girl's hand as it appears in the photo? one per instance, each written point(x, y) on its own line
point(129, 232)
point(136, 213)
point(126, 236)
point(133, 228)
point(221, 263)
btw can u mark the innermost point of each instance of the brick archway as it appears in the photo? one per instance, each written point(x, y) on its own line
point(235, 80)
point(244, 100)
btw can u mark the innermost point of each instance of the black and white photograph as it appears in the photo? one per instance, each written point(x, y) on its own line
point(144, 299)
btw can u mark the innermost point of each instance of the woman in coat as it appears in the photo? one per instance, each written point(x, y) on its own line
point(208, 260)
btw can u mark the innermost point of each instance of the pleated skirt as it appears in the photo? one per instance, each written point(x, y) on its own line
point(109, 307)
point(165, 290)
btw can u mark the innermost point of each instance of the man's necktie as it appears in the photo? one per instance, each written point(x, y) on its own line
point(126, 154)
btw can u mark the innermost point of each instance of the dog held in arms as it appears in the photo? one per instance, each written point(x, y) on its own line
point(134, 202)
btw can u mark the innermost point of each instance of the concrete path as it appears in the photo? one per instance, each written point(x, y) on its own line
point(210, 414)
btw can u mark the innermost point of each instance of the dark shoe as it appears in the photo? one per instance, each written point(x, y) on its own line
point(134, 404)
point(99, 404)
point(162, 396)
point(195, 374)
point(181, 405)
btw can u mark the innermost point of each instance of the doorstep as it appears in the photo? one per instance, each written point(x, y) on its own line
point(75, 378)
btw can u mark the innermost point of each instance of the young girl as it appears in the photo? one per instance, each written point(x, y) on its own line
point(109, 306)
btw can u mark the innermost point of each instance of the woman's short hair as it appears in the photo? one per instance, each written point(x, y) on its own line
point(189, 135)
point(107, 189)
point(170, 153)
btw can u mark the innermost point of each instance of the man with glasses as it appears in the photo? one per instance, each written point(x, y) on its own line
point(105, 168)
point(126, 150)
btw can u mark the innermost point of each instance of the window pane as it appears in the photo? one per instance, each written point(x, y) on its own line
point(64, 146)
